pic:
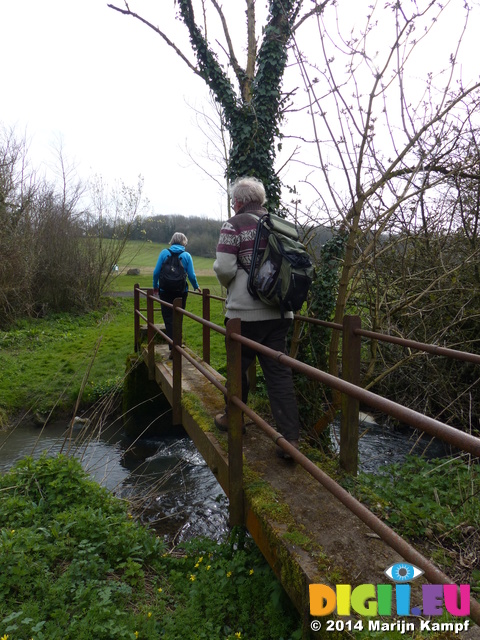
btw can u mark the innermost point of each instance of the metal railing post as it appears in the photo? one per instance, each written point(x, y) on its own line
point(350, 406)
point(136, 318)
point(235, 424)
point(177, 363)
point(206, 330)
point(150, 335)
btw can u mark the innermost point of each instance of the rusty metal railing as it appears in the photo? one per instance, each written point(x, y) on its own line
point(232, 392)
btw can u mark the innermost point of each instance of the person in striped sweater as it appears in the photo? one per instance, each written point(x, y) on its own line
point(259, 321)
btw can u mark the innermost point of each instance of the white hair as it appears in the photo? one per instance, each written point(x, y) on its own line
point(248, 189)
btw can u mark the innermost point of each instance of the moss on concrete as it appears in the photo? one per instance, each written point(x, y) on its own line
point(264, 499)
point(195, 407)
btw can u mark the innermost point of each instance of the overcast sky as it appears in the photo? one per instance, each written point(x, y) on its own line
point(119, 98)
point(112, 90)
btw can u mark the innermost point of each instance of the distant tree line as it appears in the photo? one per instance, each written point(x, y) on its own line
point(202, 233)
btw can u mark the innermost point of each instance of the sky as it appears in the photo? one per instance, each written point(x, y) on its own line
point(114, 94)
point(120, 100)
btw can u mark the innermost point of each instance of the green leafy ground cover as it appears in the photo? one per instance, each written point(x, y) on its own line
point(75, 565)
point(435, 504)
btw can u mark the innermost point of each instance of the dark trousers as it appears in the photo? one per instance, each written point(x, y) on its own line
point(278, 378)
point(167, 312)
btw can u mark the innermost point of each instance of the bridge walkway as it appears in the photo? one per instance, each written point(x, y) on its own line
point(306, 535)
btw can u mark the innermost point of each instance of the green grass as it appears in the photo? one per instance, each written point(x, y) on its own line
point(144, 256)
point(44, 360)
point(141, 255)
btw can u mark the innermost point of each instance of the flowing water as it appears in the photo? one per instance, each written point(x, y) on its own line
point(167, 480)
point(380, 444)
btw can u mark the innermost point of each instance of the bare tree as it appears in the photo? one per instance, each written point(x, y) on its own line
point(214, 157)
point(380, 146)
point(107, 225)
point(17, 193)
point(390, 163)
point(54, 255)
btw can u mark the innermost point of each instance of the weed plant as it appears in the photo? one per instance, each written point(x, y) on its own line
point(434, 501)
point(75, 565)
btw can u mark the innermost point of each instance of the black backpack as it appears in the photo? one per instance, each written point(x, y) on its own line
point(172, 277)
point(281, 273)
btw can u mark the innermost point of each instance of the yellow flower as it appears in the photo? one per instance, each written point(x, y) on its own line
point(5, 637)
point(160, 589)
point(251, 572)
point(192, 577)
point(229, 574)
point(238, 634)
point(136, 634)
point(197, 565)
point(209, 566)
point(200, 559)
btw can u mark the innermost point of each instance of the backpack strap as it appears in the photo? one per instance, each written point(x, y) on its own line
point(257, 219)
point(262, 223)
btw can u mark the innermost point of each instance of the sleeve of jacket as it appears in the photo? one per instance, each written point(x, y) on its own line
point(190, 270)
point(225, 266)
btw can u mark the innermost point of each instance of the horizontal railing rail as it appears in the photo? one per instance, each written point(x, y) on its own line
point(232, 392)
point(403, 342)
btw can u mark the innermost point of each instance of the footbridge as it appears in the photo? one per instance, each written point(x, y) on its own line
point(309, 528)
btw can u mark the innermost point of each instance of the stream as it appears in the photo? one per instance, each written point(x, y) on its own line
point(166, 480)
point(380, 445)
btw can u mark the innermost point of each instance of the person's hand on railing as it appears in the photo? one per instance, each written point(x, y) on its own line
point(156, 292)
point(199, 290)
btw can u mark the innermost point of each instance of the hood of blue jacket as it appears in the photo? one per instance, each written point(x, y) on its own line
point(177, 248)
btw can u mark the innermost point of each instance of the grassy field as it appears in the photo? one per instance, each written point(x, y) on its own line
point(45, 360)
point(144, 256)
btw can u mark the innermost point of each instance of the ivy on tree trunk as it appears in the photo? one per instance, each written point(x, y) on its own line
point(253, 119)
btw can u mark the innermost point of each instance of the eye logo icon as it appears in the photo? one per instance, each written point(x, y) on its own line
point(403, 572)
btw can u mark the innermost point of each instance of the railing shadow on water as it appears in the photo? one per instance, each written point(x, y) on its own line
point(348, 386)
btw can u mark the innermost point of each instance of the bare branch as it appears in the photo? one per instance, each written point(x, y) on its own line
point(239, 72)
point(127, 12)
point(319, 9)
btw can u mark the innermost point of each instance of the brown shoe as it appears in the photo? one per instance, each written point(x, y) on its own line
point(221, 422)
point(283, 454)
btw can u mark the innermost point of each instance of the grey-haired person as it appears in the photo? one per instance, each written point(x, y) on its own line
point(178, 243)
point(259, 321)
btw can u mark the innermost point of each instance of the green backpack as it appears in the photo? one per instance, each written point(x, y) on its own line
point(281, 271)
